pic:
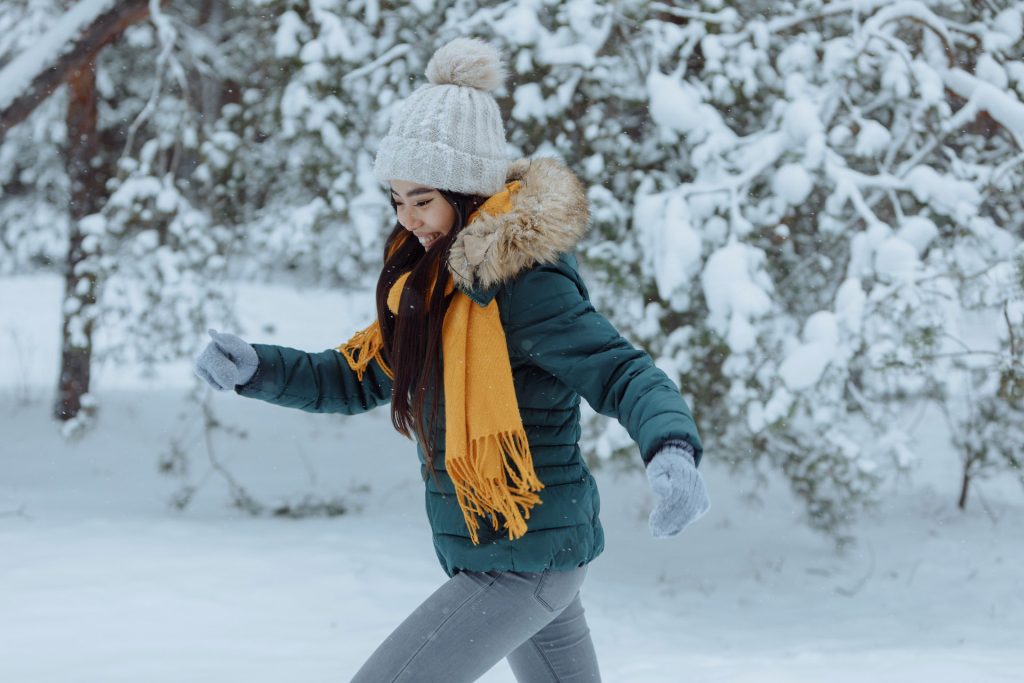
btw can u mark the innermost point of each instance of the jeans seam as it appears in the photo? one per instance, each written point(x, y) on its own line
point(544, 658)
point(429, 638)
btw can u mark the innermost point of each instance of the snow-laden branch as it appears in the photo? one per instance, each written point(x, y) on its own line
point(165, 61)
point(847, 186)
point(915, 11)
point(73, 41)
point(983, 96)
point(725, 16)
point(783, 24)
point(392, 54)
point(768, 150)
point(16, 77)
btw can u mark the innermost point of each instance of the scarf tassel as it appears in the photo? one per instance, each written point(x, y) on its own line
point(363, 348)
point(480, 493)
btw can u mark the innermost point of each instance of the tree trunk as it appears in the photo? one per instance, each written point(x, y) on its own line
point(74, 64)
point(79, 277)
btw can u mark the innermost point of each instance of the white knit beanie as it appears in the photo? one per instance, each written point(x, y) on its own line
point(448, 134)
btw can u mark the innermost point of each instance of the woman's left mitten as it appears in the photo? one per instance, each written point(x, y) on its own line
point(683, 497)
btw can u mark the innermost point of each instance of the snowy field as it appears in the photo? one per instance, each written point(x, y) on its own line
point(102, 581)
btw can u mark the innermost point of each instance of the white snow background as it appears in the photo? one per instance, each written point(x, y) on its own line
point(102, 581)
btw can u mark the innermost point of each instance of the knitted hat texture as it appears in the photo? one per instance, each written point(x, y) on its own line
point(448, 133)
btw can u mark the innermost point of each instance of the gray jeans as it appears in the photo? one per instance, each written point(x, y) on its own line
point(476, 618)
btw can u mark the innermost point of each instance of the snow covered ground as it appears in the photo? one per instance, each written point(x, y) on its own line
point(101, 581)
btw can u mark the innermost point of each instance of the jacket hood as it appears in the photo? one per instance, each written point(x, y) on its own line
point(548, 216)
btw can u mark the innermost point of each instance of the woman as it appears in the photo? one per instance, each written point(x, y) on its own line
point(485, 340)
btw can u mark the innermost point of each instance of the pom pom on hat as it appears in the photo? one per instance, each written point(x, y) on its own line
point(468, 62)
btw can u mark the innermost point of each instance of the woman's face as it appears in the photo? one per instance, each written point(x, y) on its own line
point(422, 211)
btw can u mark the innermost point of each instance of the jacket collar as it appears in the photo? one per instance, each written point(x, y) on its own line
point(548, 216)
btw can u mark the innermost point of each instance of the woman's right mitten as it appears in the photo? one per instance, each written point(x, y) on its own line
point(226, 362)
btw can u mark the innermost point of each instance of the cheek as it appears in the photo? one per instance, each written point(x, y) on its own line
point(444, 218)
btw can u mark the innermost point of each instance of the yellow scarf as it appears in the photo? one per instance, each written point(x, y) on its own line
point(487, 454)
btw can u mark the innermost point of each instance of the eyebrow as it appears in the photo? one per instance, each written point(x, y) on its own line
point(414, 192)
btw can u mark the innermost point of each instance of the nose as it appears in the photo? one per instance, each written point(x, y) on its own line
point(409, 220)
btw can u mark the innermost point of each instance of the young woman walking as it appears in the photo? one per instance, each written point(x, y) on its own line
point(484, 342)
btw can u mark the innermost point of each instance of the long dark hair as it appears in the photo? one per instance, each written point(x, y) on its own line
point(412, 340)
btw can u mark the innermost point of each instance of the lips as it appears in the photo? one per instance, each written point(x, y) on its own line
point(427, 239)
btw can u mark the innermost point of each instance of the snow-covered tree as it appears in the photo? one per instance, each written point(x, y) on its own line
point(807, 211)
point(788, 198)
point(818, 202)
point(99, 179)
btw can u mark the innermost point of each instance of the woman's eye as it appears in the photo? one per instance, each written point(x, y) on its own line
point(423, 203)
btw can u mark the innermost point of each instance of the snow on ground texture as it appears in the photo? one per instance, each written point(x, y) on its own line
point(101, 581)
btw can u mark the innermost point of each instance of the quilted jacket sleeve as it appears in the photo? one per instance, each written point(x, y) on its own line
point(551, 321)
point(315, 382)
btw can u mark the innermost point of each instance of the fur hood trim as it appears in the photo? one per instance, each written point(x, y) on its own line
point(548, 216)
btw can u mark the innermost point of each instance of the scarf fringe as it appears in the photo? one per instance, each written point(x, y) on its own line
point(363, 348)
point(481, 494)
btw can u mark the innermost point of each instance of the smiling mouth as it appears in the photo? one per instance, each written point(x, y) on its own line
point(427, 240)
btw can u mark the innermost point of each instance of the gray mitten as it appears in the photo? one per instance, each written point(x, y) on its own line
point(673, 477)
point(226, 362)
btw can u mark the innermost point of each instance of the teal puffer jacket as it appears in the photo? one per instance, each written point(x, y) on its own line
point(560, 349)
